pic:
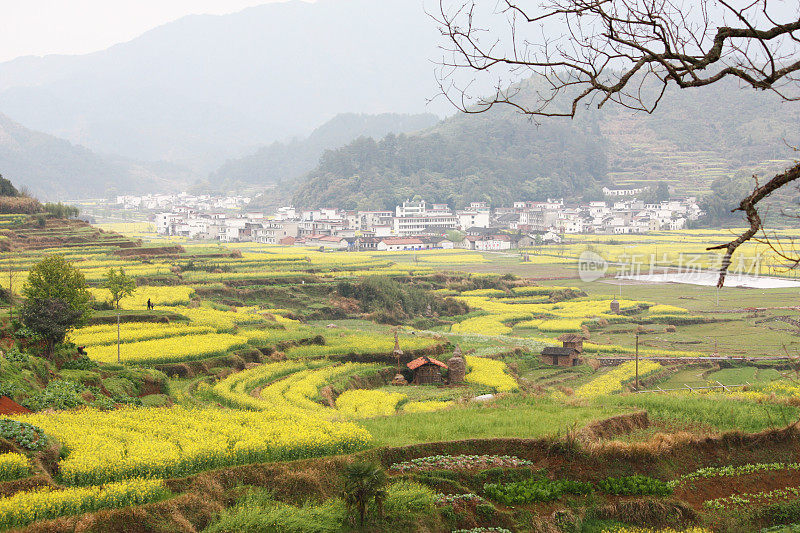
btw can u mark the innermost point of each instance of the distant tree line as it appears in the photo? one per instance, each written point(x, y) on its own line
point(498, 159)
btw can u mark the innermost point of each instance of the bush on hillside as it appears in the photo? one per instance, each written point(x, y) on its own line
point(58, 395)
point(19, 204)
point(393, 302)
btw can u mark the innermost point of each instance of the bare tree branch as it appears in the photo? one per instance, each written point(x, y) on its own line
point(623, 51)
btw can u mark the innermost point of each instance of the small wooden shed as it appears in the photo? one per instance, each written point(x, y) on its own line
point(560, 356)
point(426, 370)
point(572, 340)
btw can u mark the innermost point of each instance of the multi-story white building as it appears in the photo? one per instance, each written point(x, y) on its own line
point(415, 225)
point(272, 232)
point(414, 218)
point(473, 219)
point(622, 192)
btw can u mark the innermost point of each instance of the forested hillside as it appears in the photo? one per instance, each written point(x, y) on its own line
point(498, 156)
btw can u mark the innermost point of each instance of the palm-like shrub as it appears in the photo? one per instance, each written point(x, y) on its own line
point(364, 483)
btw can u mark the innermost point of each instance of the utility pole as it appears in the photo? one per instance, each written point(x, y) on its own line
point(637, 360)
point(118, 358)
point(10, 292)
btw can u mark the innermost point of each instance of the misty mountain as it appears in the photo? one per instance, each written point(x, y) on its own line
point(282, 161)
point(693, 138)
point(205, 88)
point(55, 169)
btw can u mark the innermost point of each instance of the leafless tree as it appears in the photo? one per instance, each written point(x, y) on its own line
point(628, 52)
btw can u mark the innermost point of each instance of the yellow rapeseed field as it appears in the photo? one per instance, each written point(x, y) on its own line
point(489, 372)
point(132, 332)
point(25, 507)
point(613, 380)
point(360, 403)
point(170, 349)
point(13, 466)
point(165, 442)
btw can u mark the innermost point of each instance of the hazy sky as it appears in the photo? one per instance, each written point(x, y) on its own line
point(39, 27)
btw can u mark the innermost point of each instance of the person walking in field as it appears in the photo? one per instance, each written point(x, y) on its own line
point(149, 304)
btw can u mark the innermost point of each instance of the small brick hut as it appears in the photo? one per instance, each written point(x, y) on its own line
point(572, 340)
point(569, 354)
point(615, 306)
point(426, 370)
point(457, 367)
point(560, 356)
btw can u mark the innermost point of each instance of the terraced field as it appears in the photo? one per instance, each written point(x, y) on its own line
point(258, 355)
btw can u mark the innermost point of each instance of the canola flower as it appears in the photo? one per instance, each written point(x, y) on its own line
point(614, 380)
point(559, 317)
point(288, 386)
point(98, 274)
point(25, 507)
point(14, 466)
point(359, 343)
point(481, 325)
point(778, 391)
point(662, 309)
point(170, 349)
point(653, 352)
point(129, 228)
point(531, 290)
point(672, 248)
point(159, 296)
point(221, 320)
point(132, 332)
point(561, 324)
point(530, 324)
point(361, 403)
point(108, 446)
point(296, 392)
point(426, 406)
point(489, 372)
point(236, 389)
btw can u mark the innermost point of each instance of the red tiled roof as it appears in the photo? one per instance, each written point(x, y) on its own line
point(331, 239)
point(419, 361)
point(10, 407)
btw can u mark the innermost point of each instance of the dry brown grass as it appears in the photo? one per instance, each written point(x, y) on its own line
point(661, 513)
point(616, 425)
point(19, 204)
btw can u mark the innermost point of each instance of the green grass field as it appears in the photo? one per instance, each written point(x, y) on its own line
point(512, 417)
